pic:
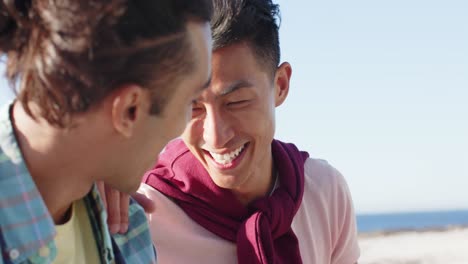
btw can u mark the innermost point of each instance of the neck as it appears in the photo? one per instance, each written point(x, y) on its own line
point(259, 184)
point(57, 164)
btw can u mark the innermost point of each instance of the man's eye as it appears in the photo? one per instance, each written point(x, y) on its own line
point(238, 103)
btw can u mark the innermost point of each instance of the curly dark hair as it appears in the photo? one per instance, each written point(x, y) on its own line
point(67, 55)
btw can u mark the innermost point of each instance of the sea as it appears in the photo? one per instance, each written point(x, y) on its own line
point(389, 222)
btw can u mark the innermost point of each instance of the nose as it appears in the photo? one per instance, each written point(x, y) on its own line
point(217, 130)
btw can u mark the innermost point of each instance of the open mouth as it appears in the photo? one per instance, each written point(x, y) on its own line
point(228, 160)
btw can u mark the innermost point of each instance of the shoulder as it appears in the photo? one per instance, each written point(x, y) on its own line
point(323, 178)
point(325, 190)
point(325, 185)
point(172, 230)
point(327, 205)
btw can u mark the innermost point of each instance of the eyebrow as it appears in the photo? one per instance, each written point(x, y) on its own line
point(234, 87)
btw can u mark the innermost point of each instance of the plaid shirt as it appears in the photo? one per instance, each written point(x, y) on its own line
point(27, 230)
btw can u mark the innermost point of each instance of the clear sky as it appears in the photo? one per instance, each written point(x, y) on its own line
point(379, 89)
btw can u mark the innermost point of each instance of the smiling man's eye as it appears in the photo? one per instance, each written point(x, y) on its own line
point(238, 103)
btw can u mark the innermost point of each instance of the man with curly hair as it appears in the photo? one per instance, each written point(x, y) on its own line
point(100, 83)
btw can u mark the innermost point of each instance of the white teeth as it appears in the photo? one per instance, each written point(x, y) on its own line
point(228, 157)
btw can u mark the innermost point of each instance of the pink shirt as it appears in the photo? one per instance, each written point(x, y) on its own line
point(324, 225)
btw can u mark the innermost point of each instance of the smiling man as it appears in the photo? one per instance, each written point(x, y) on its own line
point(228, 192)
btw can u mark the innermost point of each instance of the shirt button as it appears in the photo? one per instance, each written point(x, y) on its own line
point(14, 254)
point(44, 252)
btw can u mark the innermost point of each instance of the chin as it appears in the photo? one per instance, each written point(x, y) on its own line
point(134, 187)
point(225, 182)
point(129, 188)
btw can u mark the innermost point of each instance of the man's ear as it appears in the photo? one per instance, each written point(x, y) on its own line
point(128, 107)
point(282, 78)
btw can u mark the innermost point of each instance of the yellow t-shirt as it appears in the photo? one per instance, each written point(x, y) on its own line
point(75, 240)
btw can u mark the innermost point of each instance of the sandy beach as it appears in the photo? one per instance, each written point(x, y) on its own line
point(447, 246)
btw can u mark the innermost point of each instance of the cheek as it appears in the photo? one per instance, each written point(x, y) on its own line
point(257, 121)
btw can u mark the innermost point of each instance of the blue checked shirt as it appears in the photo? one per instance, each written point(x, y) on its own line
point(27, 230)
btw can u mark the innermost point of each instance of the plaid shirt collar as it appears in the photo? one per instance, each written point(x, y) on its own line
point(25, 223)
point(27, 230)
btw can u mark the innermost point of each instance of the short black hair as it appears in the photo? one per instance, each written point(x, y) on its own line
point(255, 22)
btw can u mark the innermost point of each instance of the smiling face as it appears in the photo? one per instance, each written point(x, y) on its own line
point(233, 121)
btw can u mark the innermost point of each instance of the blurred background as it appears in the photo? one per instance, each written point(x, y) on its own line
point(379, 89)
